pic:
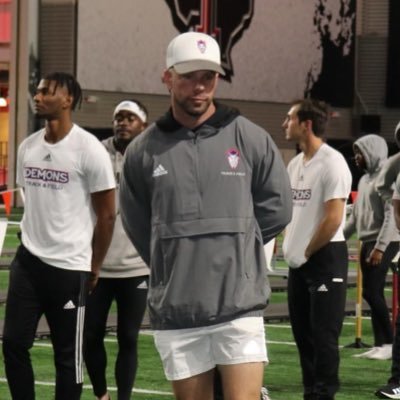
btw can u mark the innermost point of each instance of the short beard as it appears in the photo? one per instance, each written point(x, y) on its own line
point(193, 112)
point(121, 144)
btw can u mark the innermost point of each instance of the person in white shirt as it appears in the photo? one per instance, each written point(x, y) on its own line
point(315, 249)
point(66, 229)
point(123, 277)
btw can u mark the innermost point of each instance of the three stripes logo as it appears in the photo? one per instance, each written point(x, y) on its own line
point(159, 171)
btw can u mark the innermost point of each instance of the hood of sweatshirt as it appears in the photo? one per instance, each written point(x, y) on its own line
point(374, 150)
point(109, 144)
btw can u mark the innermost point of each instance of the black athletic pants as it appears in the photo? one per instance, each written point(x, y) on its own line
point(395, 370)
point(316, 298)
point(36, 288)
point(130, 295)
point(373, 282)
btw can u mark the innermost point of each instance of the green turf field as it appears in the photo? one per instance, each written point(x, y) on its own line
point(359, 377)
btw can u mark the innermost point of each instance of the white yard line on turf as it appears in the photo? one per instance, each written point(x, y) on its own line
point(277, 326)
point(278, 342)
point(267, 326)
point(111, 389)
point(110, 340)
point(38, 344)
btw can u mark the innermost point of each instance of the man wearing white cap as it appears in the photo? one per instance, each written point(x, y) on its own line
point(123, 277)
point(201, 190)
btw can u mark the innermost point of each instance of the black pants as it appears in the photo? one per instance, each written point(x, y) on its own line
point(316, 298)
point(395, 370)
point(36, 288)
point(130, 295)
point(395, 378)
point(373, 282)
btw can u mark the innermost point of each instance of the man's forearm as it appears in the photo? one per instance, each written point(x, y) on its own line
point(321, 237)
point(330, 223)
point(102, 236)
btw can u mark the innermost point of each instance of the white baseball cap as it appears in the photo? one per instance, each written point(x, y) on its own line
point(194, 51)
point(131, 106)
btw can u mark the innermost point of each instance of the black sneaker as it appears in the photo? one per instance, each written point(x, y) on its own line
point(389, 391)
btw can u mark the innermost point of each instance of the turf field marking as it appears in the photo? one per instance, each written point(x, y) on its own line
point(110, 340)
point(277, 326)
point(111, 389)
point(278, 342)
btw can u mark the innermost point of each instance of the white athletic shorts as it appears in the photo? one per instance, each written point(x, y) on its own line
point(189, 352)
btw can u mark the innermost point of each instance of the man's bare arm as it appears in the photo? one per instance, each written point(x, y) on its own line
point(330, 223)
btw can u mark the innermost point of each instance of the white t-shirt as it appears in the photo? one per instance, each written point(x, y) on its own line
point(58, 221)
point(325, 177)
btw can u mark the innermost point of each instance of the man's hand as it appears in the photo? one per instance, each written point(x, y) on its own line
point(92, 281)
point(375, 257)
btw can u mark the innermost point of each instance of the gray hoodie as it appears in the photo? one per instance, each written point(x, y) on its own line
point(372, 216)
point(122, 259)
point(198, 205)
point(390, 171)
